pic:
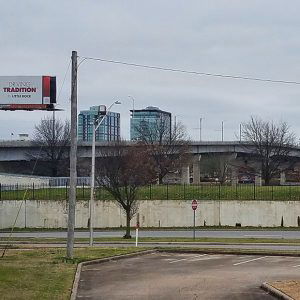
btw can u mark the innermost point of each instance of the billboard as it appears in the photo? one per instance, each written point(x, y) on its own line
point(27, 92)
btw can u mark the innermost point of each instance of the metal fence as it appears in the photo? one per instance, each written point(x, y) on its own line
point(155, 192)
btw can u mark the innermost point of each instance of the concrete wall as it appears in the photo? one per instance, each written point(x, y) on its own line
point(154, 213)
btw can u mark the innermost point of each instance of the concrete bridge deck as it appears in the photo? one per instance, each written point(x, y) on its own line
point(22, 150)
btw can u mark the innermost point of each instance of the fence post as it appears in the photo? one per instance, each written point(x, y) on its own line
point(290, 192)
point(150, 191)
point(254, 191)
point(272, 192)
point(219, 191)
point(167, 191)
point(25, 214)
point(184, 191)
point(0, 191)
point(236, 192)
point(33, 190)
point(83, 190)
point(66, 191)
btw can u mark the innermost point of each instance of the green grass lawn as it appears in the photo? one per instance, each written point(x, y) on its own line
point(164, 192)
point(44, 273)
point(159, 240)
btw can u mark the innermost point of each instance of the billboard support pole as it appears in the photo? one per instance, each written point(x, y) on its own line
point(73, 159)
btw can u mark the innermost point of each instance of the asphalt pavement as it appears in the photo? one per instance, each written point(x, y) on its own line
point(186, 276)
point(284, 234)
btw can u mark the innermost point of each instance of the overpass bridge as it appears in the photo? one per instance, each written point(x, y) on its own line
point(23, 150)
point(235, 151)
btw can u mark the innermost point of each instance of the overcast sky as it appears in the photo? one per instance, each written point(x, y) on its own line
point(246, 37)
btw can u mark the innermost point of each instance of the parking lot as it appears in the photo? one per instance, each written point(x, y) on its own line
point(185, 276)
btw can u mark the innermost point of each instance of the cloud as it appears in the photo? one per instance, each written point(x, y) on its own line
point(248, 38)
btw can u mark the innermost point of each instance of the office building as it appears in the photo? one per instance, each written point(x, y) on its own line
point(150, 123)
point(109, 130)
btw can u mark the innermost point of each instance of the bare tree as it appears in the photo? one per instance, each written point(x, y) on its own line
point(122, 170)
point(271, 143)
point(53, 136)
point(167, 145)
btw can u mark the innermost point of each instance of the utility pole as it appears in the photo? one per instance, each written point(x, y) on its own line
point(222, 131)
point(73, 158)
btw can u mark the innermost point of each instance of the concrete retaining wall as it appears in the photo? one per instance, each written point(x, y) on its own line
point(153, 213)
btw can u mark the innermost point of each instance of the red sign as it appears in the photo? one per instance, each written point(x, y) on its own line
point(194, 204)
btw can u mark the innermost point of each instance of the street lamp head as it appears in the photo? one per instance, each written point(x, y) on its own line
point(118, 102)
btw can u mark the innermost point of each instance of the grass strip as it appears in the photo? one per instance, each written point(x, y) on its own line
point(160, 240)
point(288, 287)
point(45, 273)
point(198, 228)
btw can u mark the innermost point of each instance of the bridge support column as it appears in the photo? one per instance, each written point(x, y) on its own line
point(196, 169)
point(282, 178)
point(234, 177)
point(185, 174)
point(257, 180)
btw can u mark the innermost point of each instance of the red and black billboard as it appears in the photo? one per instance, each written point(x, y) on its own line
point(27, 92)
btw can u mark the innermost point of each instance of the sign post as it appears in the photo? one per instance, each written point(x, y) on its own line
point(194, 207)
point(137, 229)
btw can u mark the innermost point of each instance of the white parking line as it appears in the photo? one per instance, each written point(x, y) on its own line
point(188, 258)
point(244, 262)
point(262, 235)
point(204, 258)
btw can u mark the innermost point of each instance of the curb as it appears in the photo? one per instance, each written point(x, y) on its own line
point(227, 251)
point(275, 292)
point(98, 261)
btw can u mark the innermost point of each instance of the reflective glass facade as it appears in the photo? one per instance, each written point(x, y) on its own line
point(109, 130)
point(151, 120)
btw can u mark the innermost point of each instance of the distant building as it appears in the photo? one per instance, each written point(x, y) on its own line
point(150, 123)
point(23, 137)
point(109, 130)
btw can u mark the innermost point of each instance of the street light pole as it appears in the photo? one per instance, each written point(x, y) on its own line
point(132, 99)
point(200, 130)
point(132, 117)
point(91, 204)
point(240, 132)
point(222, 131)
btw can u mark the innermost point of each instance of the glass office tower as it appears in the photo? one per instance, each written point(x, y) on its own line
point(150, 123)
point(109, 130)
